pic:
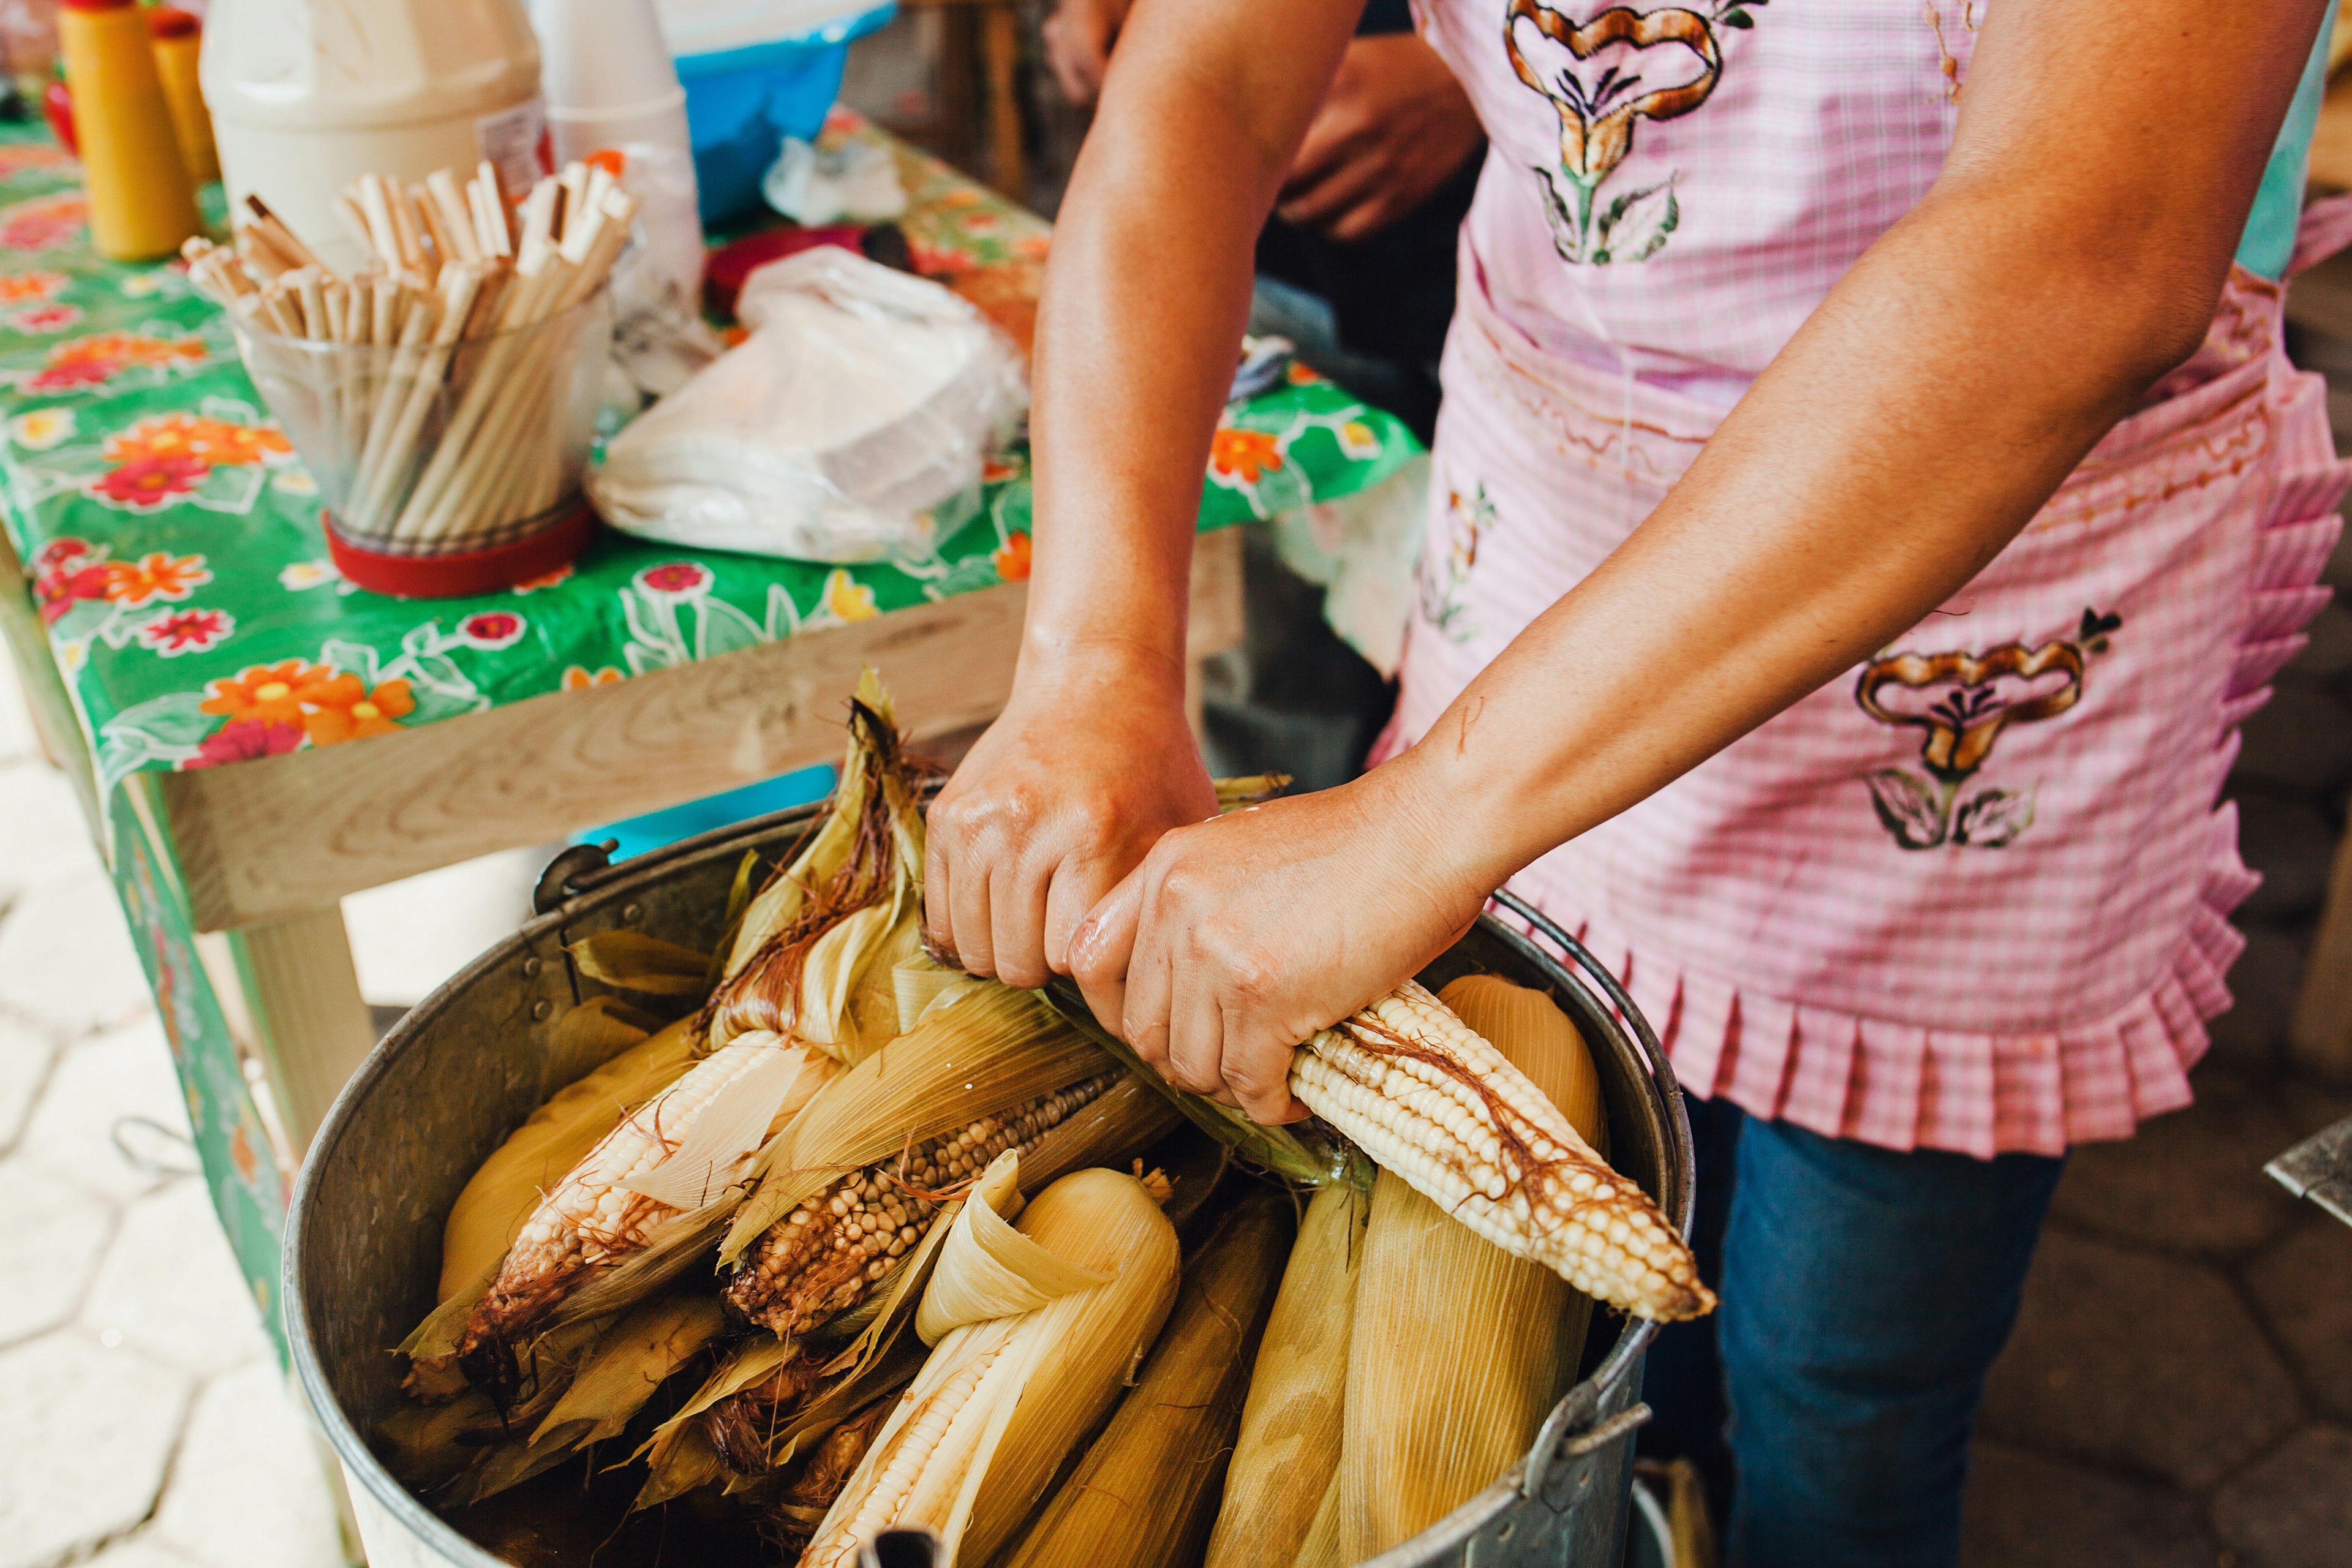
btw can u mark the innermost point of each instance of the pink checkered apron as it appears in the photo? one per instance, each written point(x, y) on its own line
point(1972, 895)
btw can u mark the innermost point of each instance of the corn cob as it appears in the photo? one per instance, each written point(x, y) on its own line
point(596, 1216)
point(822, 1257)
point(1427, 1097)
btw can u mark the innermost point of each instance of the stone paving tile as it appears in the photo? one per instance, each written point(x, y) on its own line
point(48, 837)
point(2298, 741)
point(2290, 842)
point(2293, 1510)
point(2250, 1037)
point(248, 1489)
point(2123, 1357)
point(66, 958)
point(2028, 1511)
point(124, 1072)
point(48, 1249)
point(85, 1437)
point(2191, 1179)
point(170, 1286)
point(26, 1051)
point(2303, 1286)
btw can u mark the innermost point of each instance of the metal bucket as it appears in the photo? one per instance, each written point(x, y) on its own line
point(468, 1064)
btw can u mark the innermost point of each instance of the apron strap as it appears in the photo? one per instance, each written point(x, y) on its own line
point(2326, 228)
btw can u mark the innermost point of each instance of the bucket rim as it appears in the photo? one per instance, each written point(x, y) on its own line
point(1576, 1414)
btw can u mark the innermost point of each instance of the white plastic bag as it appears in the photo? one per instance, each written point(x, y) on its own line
point(863, 404)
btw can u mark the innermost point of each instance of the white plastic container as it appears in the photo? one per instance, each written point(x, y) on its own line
point(608, 76)
point(307, 95)
point(611, 87)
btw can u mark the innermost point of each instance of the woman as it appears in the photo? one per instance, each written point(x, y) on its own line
point(1868, 495)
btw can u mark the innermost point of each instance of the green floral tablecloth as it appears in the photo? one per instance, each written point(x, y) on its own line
point(181, 589)
point(175, 543)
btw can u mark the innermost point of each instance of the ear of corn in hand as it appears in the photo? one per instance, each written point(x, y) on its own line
point(1423, 1094)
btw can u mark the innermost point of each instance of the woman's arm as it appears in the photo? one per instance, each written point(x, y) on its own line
point(1146, 294)
point(2070, 253)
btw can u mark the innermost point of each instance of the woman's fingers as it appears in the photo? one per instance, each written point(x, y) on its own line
point(1099, 950)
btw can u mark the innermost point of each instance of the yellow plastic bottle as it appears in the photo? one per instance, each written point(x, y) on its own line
point(142, 205)
point(179, 36)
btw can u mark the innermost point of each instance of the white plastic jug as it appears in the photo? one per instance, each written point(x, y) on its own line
point(307, 95)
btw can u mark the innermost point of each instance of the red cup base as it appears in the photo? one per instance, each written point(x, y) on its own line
point(458, 575)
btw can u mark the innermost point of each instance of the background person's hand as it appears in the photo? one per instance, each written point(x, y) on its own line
point(1057, 800)
point(1078, 38)
point(1394, 126)
point(1237, 938)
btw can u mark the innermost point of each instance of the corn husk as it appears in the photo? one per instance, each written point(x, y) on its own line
point(608, 1385)
point(686, 1154)
point(991, 1050)
point(1146, 1493)
point(1297, 1156)
point(1005, 1398)
point(632, 961)
point(813, 954)
point(430, 1445)
point(589, 1035)
point(492, 1207)
point(1252, 789)
point(1459, 1351)
point(1286, 1453)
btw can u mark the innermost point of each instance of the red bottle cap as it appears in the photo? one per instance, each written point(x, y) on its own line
point(97, 4)
point(171, 22)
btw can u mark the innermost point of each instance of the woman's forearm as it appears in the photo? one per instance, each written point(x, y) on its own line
point(1146, 295)
point(1930, 407)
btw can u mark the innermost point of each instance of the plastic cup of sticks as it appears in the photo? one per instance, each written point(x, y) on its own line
point(448, 467)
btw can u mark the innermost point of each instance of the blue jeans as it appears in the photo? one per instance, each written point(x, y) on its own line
point(1865, 1293)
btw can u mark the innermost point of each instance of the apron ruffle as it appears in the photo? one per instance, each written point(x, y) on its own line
point(1905, 1086)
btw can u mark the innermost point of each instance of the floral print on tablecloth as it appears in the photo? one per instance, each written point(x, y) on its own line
point(173, 536)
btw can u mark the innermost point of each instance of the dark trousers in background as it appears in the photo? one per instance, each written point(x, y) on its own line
point(1865, 1295)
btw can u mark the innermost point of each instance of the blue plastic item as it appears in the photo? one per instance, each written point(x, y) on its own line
point(655, 828)
point(741, 104)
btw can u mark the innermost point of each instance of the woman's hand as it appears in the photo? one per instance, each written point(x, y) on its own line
point(1393, 127)
point(1091, 761)
point(1237, 938)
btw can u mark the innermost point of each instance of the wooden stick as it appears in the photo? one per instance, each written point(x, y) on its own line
point(392, 403)
point(459, 286)
point(406, 231)
point(254, 246)
point(373, 207)
point(499, 238)
point(451, 217)
point(280, 235)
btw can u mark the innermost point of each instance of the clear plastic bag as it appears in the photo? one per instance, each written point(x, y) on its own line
point(859, 411)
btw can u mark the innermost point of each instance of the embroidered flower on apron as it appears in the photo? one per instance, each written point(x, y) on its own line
point(1445, 564)
point(1623, 66)
point(1964, 700)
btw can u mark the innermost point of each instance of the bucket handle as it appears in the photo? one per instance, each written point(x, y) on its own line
point(1618, 997)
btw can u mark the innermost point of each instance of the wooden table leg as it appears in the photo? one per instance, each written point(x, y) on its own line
point(1001, 46)
point(2320, 1037)
point(301, 1013)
